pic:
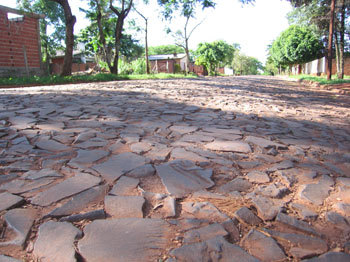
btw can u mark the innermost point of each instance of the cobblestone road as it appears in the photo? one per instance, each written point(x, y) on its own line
point(208, 169)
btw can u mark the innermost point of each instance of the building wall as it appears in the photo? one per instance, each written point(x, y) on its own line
point(56, 68)
point(19, 38)
point(319, 67)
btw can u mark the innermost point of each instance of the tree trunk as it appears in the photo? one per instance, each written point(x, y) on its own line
point(146, 48)
point(330, 42)
point(187, 50)
point(117, 43)
point(105, 54)
point(341, 42)
point(70, 21)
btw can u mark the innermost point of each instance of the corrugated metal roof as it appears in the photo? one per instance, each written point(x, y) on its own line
point(165, 57)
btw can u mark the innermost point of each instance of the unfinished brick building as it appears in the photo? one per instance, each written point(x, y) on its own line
point(20, 53)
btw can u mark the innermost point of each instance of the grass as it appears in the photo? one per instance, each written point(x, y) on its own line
point(53, 80)
point(322, 79)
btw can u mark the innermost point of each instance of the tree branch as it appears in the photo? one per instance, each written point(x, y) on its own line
point(195, 28)
point(115, 10)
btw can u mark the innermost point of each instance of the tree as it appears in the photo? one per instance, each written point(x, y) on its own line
point(122, 12)
point(215, 54)
point(70, 20)
point(296, 45)
point(54, 17)
point(146, 39)
point(164, 49)
point(246, 65)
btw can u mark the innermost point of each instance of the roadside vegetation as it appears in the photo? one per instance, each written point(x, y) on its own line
point(101, 77)
point(322, 79)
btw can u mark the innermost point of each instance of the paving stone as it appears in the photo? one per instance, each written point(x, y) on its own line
point(9, 201)
point(316, 193)
point(267, 208)
point(330, 257)
point(169, 206)
point(272, 190)
point(295, 223)
point(142, 171)
point(67, 188)
point(92, 215)
point(6, 178)
point(118, 165)
point(159, 153)
point(196, 138)
point(20, 186)
point(37, 174)
point(124, 186)
point(55, 242)
point(343, 181)
point(207, 195)
point(264, 143)
point(300, 245)
point(93, 143)
point(181, 177)
point(204, 210)
point(258, 177)
point(237, 184)
point(182, 129)
point(261, 246)
point(80, 201)
point(82, 137)
point(338, 220)
point(229, 146)
point(232, 229)
point(51, 145)
point(304, 211)
point(180, 153)
point(21, 221)
point(4, 258)
point(124, 240)
point(140, 148)
point(246, 216)
point(87, 157)
point(216, 249)
point(286, 164)
point(248, 164)
point(124, 206)
point(205, 233)
point(342, 208)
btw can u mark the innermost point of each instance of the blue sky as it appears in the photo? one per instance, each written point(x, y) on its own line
point(254, 27)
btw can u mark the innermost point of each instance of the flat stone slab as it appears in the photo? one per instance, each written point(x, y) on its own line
point(55, 242)
point(118, 165)
point(180, 153)
point(182, 129)
point(262, 246)
point(142, 171)
point(88, 157)
point(21, 221)
point(124, 240)
point(181, 177)
point(237, 184)
point(216, 249)
point(80, 201)
point(330, 257)
point(8, 259)
point(246, 216)
point(267, 208)
point(8, 201)
point(124, 206)
point(51, 145)
point(295, 223)
point(204, 210)
point(258, 177)
point(205, 233)
point(67, 188)
point(47, 172)
point(264, 143)
point(124, 186)
point(229, 146)
point(316, 193)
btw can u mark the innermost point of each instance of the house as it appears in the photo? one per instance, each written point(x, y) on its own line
point(319, 67)
point(20, 48)
point(80, 62)
point(169, 63)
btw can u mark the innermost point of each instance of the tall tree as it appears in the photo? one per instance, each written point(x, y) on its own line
point(70, 20)
point(122, 12)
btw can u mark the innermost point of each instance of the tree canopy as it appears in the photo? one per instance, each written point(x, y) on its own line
point(296, 45)
point(215, 54)
point(164, 49)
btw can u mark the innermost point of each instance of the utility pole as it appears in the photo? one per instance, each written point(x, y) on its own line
point(330, 41)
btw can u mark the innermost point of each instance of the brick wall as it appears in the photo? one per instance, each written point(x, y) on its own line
point(17, 38)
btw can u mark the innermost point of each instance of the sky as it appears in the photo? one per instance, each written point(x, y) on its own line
point(254, 27)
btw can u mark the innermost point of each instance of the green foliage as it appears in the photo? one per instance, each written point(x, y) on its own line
point(215, 54)
point(54, 79)
point(54, 17)
point(322, 79)
point(164, 50)
point(246, 65)
point(137, 67)
point(296, 45)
